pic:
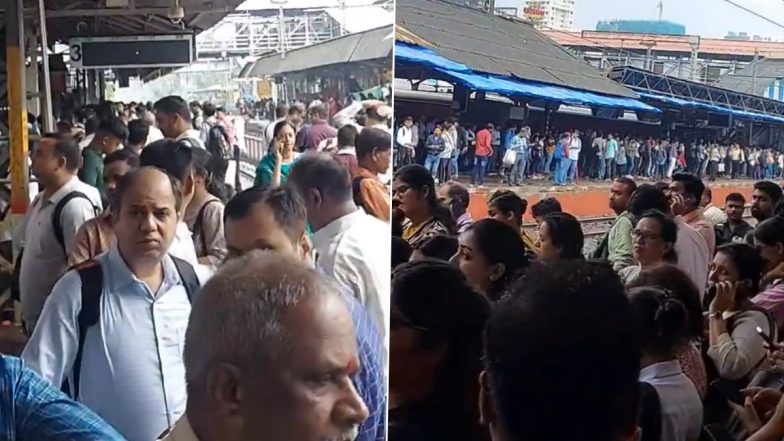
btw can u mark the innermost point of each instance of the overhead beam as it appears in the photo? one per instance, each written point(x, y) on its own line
point(132, 11)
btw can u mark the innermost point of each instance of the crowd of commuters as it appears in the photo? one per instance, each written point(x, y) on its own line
point(666, 330)
point(157, 304)
point(518, 154)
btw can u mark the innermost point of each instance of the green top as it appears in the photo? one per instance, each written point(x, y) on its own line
point(620, 242)
point(266, 166)
point(92, 168)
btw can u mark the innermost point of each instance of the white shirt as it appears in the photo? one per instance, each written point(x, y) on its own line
point(44, 260)
point(714, 214)
point(182, 246)
point(352, 251)
point(574, 148)
point(132, 372)
point(694, 257)
point(153, 135)
point(192, 135)
point(86, 141)
point(681, 407)
point(405, 136)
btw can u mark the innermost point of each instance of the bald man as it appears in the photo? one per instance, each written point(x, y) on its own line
point(131, 307)
point(269, 356)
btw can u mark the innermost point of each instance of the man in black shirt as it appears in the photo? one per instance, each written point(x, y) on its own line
point(735, 228)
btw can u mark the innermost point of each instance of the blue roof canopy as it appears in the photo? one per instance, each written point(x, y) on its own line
point(687, 104)
point(512, 87)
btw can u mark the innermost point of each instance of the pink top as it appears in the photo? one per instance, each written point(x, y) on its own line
point(772, 299)
point(690, 359)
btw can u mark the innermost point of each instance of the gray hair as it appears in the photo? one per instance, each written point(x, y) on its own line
point(237, 316)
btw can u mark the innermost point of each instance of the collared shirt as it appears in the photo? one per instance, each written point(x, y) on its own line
point(344, 254)
point(93, 238)
point(714, 214)
point(370, 382)
point(31, 410)
point(193, 136)
point(696, 220)
point(681, 407)
point(374, 195)
point(726, 234)
point(96, 236)
point(619, 243)
point(132, 356)
point(318, 132)
point(694, 258)
point(44, 259)
point(464, 222)
point(182, 431)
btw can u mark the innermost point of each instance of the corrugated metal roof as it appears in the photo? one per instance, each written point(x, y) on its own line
point(499, 45)
point(374, 44)
point(667, 43)
point(743, 81)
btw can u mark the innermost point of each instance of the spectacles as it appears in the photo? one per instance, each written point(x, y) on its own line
point(644, 236)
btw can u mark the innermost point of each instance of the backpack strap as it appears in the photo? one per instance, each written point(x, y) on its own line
point(188, 276)
point(57, 223)
point(650, 413)
point(91, 276)
point(199, 222)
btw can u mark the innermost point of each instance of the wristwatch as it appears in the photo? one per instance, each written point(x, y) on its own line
point(716, 315)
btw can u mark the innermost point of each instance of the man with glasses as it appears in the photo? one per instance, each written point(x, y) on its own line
point(274, 219)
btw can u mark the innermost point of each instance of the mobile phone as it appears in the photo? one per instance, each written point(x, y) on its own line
point(769, 341)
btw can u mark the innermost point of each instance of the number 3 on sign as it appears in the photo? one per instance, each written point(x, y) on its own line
point(76, 54)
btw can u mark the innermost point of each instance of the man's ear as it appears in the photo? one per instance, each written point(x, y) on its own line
point(224, 389)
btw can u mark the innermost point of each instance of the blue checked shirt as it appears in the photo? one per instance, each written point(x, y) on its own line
point(32, 410)
point(369, 382)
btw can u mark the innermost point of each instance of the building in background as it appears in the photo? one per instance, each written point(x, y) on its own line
point(656, 27)
point(744, 36)
point(482, 5)
point(550, 14)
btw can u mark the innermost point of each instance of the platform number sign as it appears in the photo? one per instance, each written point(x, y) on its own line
point(75, 53)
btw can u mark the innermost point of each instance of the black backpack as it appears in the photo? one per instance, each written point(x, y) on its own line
point(218, 143)
point(91, 276)
point(57, 226)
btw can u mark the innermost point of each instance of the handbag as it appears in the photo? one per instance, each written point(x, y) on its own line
point(510, 157)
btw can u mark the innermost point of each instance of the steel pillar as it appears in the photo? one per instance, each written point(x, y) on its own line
point(17, 103)
point(46, 97)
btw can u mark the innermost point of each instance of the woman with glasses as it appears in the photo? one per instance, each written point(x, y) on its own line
point(414, 195)
point(436, 326)
point(653, 242)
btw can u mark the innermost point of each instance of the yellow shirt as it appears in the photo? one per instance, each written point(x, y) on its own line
point(528, 242)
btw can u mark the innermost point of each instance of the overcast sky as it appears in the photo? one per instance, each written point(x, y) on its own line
point(708, 18)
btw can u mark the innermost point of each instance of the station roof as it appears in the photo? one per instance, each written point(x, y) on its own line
point(766, 71)
point(497, 45)
point(85, 18)
point(632, 42)
point(374, 44)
